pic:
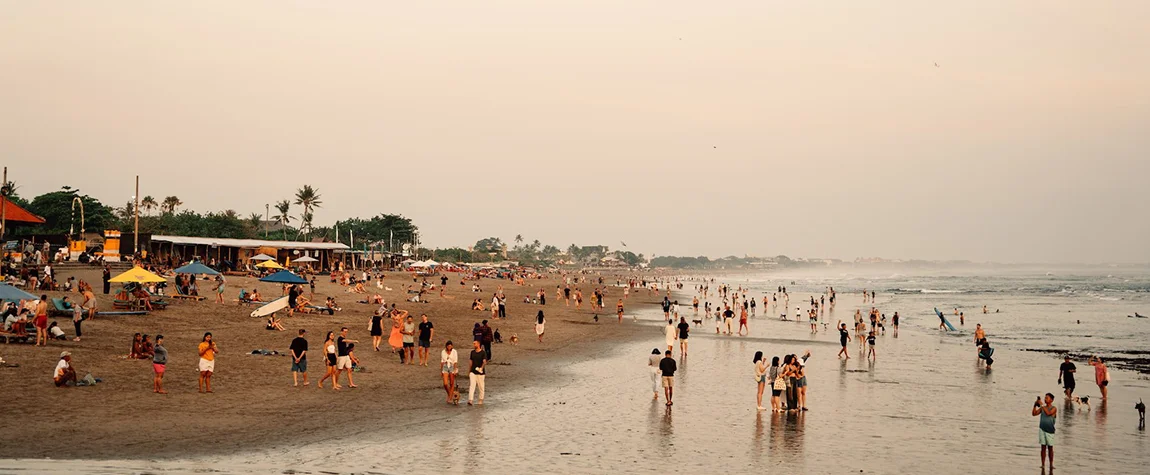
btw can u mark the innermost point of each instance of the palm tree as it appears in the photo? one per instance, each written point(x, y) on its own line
point(148, 204)
point(305, 223)
point(284, 218)
point(170, 204)
point(309, 198)
point(9, 189)
point(518, 239)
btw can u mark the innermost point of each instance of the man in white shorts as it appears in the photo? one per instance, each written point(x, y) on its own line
point(342, 358)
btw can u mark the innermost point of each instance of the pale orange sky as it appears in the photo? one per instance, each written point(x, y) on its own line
point(758, 127)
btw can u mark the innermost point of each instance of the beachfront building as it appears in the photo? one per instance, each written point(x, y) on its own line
point(237, 252)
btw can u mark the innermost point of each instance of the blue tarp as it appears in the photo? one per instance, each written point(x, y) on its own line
point(196, 268)
point(284, 277)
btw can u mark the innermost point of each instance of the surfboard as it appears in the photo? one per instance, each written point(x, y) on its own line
point(944, 320)
point(271, 307)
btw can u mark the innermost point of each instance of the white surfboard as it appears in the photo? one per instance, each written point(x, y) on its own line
point(271, 307)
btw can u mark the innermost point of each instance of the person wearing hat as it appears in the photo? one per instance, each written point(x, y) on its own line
point(64, 372)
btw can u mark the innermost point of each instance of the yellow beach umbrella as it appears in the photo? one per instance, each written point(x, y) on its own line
point(136, 274)
point(269, 265)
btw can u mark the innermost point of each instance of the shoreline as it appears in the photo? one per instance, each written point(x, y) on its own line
point(255, 407)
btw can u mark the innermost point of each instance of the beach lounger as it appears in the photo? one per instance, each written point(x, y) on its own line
point(113, 314)
point(58, 307)
point(188, 297)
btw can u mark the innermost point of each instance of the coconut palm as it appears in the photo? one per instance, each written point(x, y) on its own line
point(284, 218)
point(148, 204)
point(170, 204)
point(309, 198)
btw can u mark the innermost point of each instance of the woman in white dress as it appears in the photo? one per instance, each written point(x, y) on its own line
point(539, 325)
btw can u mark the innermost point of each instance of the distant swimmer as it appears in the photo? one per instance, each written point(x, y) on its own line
point(984, 309)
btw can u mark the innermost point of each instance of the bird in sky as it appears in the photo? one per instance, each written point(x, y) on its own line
point(936, 65)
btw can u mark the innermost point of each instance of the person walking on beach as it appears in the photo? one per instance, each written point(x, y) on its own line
point(426, 334)
point(728, 315)
point(986, 353)
point(671, 333)
point(342, 357)
point(1047, 416)
point(653, 367)
point(107, 277)
point(487, 337)
point(375, 328)
point(870, 340)
point(1066, 376)
point(448, 367)
point(1101, 374)
point(159, 364)
point(760, 377)
point(979, 336)
point(844, 337)
point(539, 321)
point(667, 367)
point(207, 366)
point(408, 333)
point(477, 374)
point(666, 307)
point(684, 330)
point(329, 362)
point(743, 321)
point(220, 284)
point(298, 350)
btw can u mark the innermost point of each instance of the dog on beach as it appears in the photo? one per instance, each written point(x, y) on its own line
point(1083, 401)
point(514, 339)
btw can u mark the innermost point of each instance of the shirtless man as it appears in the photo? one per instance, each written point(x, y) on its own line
point(979, 336)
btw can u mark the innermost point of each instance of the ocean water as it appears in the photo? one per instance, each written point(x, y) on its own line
point(925, 405)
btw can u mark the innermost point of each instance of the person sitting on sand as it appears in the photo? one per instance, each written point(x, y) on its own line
point(477, 305)
point(274, 323)
point(64, 373)
point(255, 296)
point(134, 353)
point(147, 351)
point(377, 299)
point(331, 305)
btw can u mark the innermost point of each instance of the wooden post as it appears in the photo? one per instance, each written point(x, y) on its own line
point(136, 234)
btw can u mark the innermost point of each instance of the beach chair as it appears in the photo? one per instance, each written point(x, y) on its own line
point(197, 298)
point(59, 308)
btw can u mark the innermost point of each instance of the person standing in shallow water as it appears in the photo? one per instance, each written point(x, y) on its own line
point(760, 376)
point(1066, 376)
point(667, 367)
point(1101, 374)
point(1048, 415)
point(844, 337)
point(653, 367)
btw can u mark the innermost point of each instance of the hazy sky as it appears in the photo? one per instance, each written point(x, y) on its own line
point(818, 129)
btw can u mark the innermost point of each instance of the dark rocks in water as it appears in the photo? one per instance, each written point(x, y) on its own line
point(1139, 361)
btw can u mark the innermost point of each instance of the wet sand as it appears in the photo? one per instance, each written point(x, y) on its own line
point(254, 405)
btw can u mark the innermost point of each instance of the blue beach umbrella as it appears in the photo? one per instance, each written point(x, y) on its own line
point(284, 277)
point(8, 292)
point(196, 268)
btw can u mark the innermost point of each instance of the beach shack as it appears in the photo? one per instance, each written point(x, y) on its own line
point(238, 252)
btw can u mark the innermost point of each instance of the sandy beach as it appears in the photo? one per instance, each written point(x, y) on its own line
point(254, 405)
